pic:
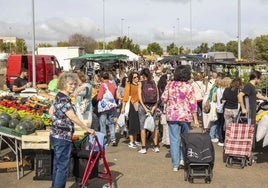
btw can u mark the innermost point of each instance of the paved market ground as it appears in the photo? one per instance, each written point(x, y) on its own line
point(153, 170)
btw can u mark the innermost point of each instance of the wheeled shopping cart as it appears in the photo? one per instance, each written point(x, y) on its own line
point(199, 156)
point(238, 144)
point(93, 155)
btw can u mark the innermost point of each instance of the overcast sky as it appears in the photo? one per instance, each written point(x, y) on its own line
point(144, 21)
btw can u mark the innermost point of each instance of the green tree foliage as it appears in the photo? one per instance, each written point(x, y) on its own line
point(231, 46)
point(218, 47)
point(44, 45)
point(82, 41)
point(262, 47)
point(124, 43)
point(155, 48)
point(248, 50)
point(62, 44)
point(203, 48)
point(21, 46)
point(172, 49)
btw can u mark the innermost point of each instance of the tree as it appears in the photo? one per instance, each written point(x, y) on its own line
point(172, 49)
point(232, 46)
point(155, 48)
point(203, 48)
point(44, 45)
point(82, 41)
point(62, 44)
point(262, 47)
point(248, 50)
point(218, 47)
point(124, 43)
point(21, 46)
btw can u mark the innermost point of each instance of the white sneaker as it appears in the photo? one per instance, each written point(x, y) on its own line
point(137, 143)
point(215, 140)
point(220, 144)
point(132, 145)
point(142, 151)
point(156, 149)
point(175, 169)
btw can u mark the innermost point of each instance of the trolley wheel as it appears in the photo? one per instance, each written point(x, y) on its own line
point(243, 163)
point(229, 161)
point(185, 175)
point(191, 179)
point(107, 185)
point(250, 161)
point(207, 180)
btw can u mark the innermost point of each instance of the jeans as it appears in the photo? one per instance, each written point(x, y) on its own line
point(175, 130)
point(61, 161)
point(107, 119)
point(214, 130)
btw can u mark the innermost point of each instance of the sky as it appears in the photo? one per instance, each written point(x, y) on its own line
point(184, 22)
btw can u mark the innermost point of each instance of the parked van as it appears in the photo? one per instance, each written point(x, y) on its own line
point(46, 67)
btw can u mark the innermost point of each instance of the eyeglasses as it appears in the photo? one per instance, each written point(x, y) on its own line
point(134, 77)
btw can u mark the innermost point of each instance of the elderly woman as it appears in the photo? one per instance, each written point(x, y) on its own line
point(64, 117)
point(181, 109)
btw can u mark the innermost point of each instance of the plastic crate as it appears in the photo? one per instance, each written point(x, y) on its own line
point(43, 165)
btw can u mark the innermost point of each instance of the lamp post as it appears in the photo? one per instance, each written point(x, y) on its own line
point(128, 28)
point(191, 32)
point(178, 19)
point(10, 40)
point(103, 21)
point(122, 27)
point(33, 46)
point(239, 30)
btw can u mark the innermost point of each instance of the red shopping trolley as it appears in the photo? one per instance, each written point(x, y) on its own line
point(96, 153)
point(238, 144)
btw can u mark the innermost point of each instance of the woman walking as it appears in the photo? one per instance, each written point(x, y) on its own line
point(181, 110)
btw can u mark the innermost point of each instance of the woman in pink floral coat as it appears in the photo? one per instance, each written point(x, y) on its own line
point(181, 110)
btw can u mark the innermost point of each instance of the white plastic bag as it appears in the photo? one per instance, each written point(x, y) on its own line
point(121, 120)
point(149, 123)
point(213, 113)
point(262, 128)
point(127, 106)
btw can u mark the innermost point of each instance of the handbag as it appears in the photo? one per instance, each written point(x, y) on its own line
point(107, 102)
point(149, 123)
point(206, 107)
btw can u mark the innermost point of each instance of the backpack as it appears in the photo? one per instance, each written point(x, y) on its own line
point(149, 92)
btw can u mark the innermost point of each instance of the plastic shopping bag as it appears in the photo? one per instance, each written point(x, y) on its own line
point(149, 123)
point(121, 120)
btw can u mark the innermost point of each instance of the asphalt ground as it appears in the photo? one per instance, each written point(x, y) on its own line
point(131, 169)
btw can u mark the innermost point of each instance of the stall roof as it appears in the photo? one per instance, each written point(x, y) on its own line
point(104, 56)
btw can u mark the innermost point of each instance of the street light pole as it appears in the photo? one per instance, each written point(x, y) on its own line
point(178, 19)
point(239, 30)
point(33, 46)
point(122, 27)
point(128, 28)
point(191, 33)
point(103, 12)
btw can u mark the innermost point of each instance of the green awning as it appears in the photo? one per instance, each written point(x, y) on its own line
point(104, 56)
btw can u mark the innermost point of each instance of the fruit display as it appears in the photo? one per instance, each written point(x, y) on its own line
point(24, 115)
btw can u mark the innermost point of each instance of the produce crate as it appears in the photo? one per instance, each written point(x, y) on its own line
point(38, 140)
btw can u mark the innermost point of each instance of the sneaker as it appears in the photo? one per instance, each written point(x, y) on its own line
point(137, 143)
point(132, 145)
point(156, 149)
point(175, 169)
point(142, 151)
point(182, 162)
point(114, 143)
point(221, 144)
point(215, 140)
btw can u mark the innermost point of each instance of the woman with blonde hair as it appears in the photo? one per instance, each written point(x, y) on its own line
point(223, 83)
